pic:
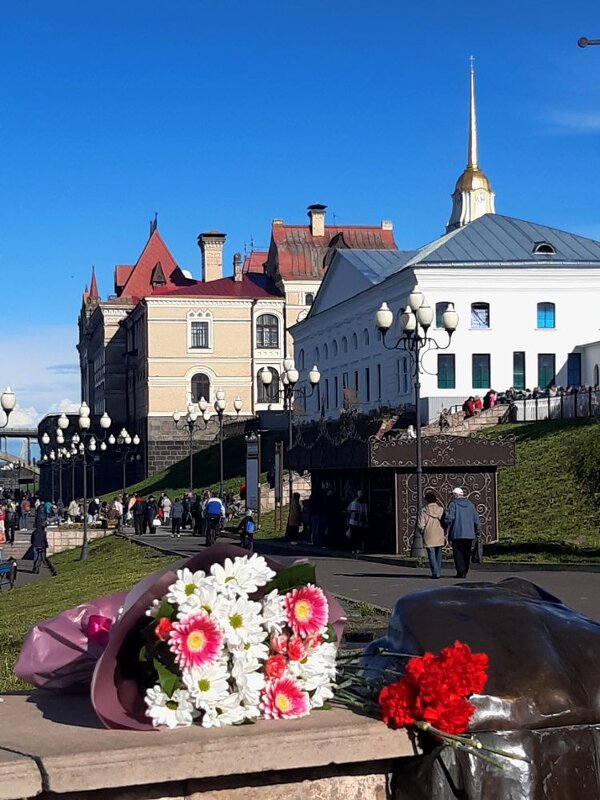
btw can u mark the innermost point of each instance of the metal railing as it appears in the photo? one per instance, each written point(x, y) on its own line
point(579, 404)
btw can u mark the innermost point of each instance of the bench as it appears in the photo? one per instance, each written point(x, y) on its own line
point(8, 572)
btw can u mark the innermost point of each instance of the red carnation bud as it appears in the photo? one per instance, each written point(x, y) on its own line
point(163, 629)
point(296, 648)
point(275, 666)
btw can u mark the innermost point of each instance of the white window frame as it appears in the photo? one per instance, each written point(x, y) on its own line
point(199, 316)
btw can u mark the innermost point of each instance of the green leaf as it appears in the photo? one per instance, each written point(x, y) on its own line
point(165, 610)
point(324, 707)
point(168, 680)
point(145, 654)
point(330, 635)
point(293, 577)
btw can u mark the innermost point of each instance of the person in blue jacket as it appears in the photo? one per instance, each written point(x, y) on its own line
point(463, 526)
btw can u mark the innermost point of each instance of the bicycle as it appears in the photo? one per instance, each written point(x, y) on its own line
point(213, 528)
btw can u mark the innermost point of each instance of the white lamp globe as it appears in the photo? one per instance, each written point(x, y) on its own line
point(266, 376)
point(202, 404)
point(415, 299)
point(384, 318)
point(425, 314)
point(63, 422)
point(105, 421)
point(314, 376)
point(288, 364)
point(136, 440)
point(111, 439)
point(450, 319)
point(8, 400)
point(293, 376)
point(408, 321)
point(84, 410)
point(237, 404)
point(84, 423)
point(45, 439)
point(206, 415)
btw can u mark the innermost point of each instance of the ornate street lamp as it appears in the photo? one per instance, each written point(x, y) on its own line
point(125, 445)
point(289, 378)
point(220, 405)
point(415, 322)
point(8, 401)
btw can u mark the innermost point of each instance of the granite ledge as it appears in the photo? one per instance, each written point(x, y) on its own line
point(61, 734)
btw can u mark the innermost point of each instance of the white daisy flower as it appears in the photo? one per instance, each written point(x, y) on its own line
point(254, 651)
point(233, 578)
point(240, 620)
point(174, 712)
point(261, 572)
point(209, 683)
point(185, 592)
point(274, 613)
point(153, 610)
point(321, 695)
point(227, 711)
point(249, 681)
point(315, 669)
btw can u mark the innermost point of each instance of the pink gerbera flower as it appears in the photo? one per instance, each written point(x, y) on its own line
point(283, 698)
point(195, 640)
point(307, 610)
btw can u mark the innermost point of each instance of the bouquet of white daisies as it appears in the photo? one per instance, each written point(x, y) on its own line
point(236, 644)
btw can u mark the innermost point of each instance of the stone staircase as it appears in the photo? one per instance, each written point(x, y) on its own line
point(459, 426)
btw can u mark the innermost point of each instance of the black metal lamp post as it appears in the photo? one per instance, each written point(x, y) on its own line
point(220, 405)
point(8, 401)
point(125, 445)
point(415, 322)
point(289, 378)
point(193, 424)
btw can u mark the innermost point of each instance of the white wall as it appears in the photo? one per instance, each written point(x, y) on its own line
point(513, 293)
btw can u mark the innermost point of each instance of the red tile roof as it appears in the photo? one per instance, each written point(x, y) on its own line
point(252, 286)
point(94, 286)
point(254, 262)
point(136, 281)
point(296, 254)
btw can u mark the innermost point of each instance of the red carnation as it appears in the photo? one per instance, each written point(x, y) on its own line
point(296, 649)
point(275, 667)
point(163, 629)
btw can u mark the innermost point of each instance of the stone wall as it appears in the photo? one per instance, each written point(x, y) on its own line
point(67, 537)
point(302, 485)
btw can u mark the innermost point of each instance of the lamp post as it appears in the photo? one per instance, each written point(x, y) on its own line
point(84, 441)
point(125, 445)
point(415, 322)
point(220, 405)
point(8, 401)
point(289, 378)
point(193, 424)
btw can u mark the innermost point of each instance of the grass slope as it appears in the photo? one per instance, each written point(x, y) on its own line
point(114, 565)
point(542, 510)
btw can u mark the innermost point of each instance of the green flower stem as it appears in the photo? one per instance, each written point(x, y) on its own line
point(473, 745)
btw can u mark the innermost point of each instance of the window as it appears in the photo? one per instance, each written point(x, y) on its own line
point(200, 387)
point(403, 375)
point(354, 341)
point(267, 331)
point(334, 348)
point(270, 393)
point(367, 384)
point(356, 381)
point(439, 312)
point(309, 299)
point(327, 393)
point(199, 334)
point(379, 381)
point(546, 370)
point(446, 375)
point(546, 317)
point(344, 345)
point(157, 278)
point(335, 392)
point(574, 369)
point(519, 381)
point(325, 352)
point(301, 359)
point(366, 337)
point(596, 376)
point(480, 315)
point(344, 380)
point(317, 359)
point(544, 249)
point(481, 371)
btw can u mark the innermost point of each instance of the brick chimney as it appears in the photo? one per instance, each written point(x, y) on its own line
point(211, 244)
point(316, 214)
point(237, 267)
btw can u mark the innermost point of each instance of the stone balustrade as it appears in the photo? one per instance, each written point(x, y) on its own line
point(53, 748)
point(68, 536)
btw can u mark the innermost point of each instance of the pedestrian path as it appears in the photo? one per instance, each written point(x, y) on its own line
point(382, 583)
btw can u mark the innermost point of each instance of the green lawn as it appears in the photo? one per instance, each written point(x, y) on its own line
point(114, 565)
point(543, 512)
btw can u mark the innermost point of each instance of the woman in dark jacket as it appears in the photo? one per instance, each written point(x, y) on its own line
point(39, 543)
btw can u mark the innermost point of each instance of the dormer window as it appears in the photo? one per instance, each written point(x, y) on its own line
point(544, 249)
point(158, 276)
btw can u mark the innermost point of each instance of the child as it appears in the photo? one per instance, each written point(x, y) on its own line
point(246, 530)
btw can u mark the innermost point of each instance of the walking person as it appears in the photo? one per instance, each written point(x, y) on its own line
point(139, 514)
point(176, 517)
point(246, 531)
point(294, 518)
point(10, 522)
point(166, 507)
point(431, 526)
point(73, 511)
point(118, 509)
point(358, 522)
point(151, 511)
point(25, 509)
point(463, 526)
point(39, 544)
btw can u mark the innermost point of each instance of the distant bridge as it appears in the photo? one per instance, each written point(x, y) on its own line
point(16, 461)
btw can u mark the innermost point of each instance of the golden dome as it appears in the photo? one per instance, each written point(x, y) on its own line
point(472, 179)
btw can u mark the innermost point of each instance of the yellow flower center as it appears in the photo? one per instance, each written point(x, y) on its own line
point(190, 588)
point(203, 685)
point(196, 641)
point(302, 610)
point(236, 621)
point(282, 702)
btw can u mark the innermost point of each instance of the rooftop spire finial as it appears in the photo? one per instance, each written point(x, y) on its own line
point(472, 154)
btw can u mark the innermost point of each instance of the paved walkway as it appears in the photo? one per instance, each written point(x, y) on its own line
point(383, 583)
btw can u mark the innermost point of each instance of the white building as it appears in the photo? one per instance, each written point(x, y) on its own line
point(527, 295)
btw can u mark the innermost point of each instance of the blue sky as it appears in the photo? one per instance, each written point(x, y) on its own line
point(228, 114)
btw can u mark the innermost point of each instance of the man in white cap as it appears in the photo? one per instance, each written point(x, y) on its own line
point(463, 526)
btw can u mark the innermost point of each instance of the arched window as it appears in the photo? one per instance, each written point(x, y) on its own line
point(544, 249)
point(309, 298)
point(267, 331)
point(325, 352)
point(317, 355)
point(200, 387)
point(439, 312)
point(334, 348)
point(199, 330)
point(366, 337)
point(301, 359)
point(270, 393)
point(596, 376)
point(546, 315)
point(480, 315)
point(344, 344)
point(354, 341)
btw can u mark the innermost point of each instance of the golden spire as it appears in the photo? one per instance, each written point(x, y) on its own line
point(472, 154)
